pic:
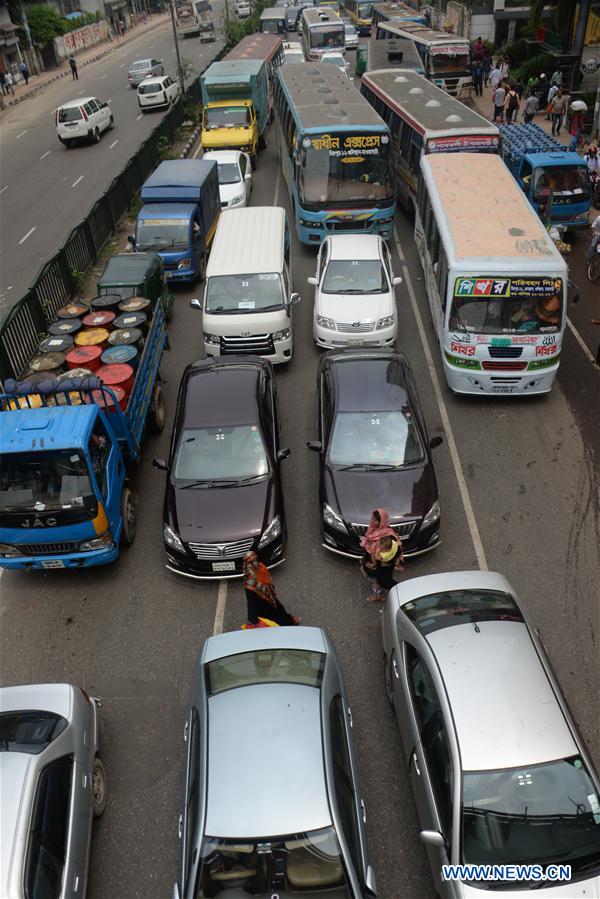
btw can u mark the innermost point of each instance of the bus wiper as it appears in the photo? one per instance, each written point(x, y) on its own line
point(215, 482)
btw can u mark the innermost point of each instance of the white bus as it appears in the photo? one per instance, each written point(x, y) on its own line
point(446, 57)
point(321, 30)
point(496, 284)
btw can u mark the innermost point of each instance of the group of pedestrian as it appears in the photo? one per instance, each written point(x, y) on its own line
point(7, 80)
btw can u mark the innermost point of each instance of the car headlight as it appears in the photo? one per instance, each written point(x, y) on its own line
point(105, 541)
point(281, 335)
point(213, 339)
point(171, 538)
point(7, 551)
point(385, 322)
point(432, 516)
point(236, 200)
point(333, 519)
point(273, 531)
point(185, 263)
point(325, 322)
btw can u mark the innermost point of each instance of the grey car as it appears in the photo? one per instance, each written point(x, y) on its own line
point(499, 772)
point(52, 783)
point(144, 68)
point(271, 802)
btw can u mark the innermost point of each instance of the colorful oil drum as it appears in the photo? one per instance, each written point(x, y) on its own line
point(98, 319)
point(84, 357)
point(64, 326)
point(72, 310)
point(117, 375)
point(54, 344)
point(121, 353)
point(92, 337)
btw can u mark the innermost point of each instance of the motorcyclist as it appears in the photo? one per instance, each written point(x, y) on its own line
point(591, 160)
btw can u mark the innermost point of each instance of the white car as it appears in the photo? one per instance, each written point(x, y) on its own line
point(82, 119)
point(351, 37)
point(292, 52)
point(235, 177)
point(155, 92)
point(334, 57)
point(355, 303)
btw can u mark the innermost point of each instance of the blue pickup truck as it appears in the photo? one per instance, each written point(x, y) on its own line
point(65, 497)
point(179, 217)
point(554, 178)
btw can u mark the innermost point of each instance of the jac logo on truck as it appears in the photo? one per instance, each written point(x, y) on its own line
point(38, 523)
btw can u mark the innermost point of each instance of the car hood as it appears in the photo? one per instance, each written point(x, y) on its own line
point(350, 308)
point(228, 191)
point(220, 514)
point(582, 889)
point(408, 493)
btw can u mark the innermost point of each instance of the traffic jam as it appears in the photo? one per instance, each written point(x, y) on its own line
point(271, 798)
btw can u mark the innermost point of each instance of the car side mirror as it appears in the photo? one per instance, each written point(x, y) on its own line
point(195, 303)
point(312, 280)
point(432, 838)
point(315, 445)
point(283, 454)
point(294, 298)
point(397, 281)
point(161, 464)
point(248, 176)
point(370, 882)
point(435, 441)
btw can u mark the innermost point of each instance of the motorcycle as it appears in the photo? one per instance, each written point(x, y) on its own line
point(595, 189)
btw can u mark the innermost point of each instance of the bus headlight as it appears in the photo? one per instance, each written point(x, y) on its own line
point(324, 322)
point(213, 339)
point(281, 335)
point(333, 519)
point(271, 532)
point(386, 322)
point(306, 224)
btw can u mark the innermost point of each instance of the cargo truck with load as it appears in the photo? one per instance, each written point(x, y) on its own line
point(553, 178)
point(235, 98)
point(179, 217)
point(67, 439)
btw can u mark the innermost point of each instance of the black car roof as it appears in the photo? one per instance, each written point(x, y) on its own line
point(129, 268)
point(365, 382)
point(220, 392)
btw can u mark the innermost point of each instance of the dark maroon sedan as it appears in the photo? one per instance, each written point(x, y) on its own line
point(374, 451)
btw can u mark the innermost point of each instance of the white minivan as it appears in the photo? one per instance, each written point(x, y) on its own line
point(248, 298)
point(82, 119)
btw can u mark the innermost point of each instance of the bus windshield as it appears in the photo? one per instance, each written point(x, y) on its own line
point(328, 37)
point(345, 168)
point(507, 305)
point(450, 61)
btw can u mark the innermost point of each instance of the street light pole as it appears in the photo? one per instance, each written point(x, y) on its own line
point(179, 66)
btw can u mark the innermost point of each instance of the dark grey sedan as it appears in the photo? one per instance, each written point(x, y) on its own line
point(271, 802)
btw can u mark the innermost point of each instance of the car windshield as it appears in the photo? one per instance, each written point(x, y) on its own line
point(334, 59)
point(226, 117)
point(229, 173)
point(154, 87)
point(345, 168)
point(140, 64)
point(566, 185)
point(350, 30)
point(290, 666)
point(537, 814)
point(324, 37)
point(69, 114)
point(390, 439)
point(456, 63)
point(494, 305)
point(124, 292)
point(235, 294)
point(444, 609)
point(294, 863)
point(45, 481)
point(220, 453)
point(162, 234)
point(355, 276)
point(29, 731)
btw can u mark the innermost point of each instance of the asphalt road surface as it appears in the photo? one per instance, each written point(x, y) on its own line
point(519, 483)
point(45, 189)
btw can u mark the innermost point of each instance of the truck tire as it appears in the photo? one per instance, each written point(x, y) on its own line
point(99, 787)
point(202, 270)
point(129, 516)
point(157, 413)
point(262, 142)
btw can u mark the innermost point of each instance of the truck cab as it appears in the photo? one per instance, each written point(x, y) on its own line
point(557, 186)
point(61, 488)
point(137, 275)
point(230, 125)
point(174, 230)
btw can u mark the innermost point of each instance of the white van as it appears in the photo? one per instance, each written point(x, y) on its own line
point(243, 9)
point(248, 299)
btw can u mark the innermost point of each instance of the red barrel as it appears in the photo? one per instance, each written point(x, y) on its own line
point(98, 319)
point(105, 401)
point(84, 357)
point(118, 374)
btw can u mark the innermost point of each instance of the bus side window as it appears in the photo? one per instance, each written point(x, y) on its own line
point(406, 135)
point(442, 276)
point(421, 196)
point(433, 240)
point(414, 153)
point(395, 123)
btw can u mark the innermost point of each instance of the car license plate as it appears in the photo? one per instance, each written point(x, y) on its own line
point(53, 563)
point(223, 566)
point(355, 340)
point(497, 389)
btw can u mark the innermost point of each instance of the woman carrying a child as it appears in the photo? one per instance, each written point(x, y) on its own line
point(382, 558)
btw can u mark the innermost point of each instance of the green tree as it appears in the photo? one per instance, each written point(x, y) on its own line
point(44, 23)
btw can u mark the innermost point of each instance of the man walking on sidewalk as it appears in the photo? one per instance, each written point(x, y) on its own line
point(531, 107)
point(499, 97)
point(558, 107)
point(73, 65)
point(24, 72)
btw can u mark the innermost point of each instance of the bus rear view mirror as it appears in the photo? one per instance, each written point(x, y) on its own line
point(314, 281)
point(397, 280)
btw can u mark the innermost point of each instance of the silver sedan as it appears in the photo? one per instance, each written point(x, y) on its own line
point(144, 68)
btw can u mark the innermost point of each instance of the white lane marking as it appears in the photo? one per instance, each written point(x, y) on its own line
point(220, 610)
point(9, 288)
point(81, 92)
point(75, 183)
point(139, 117)
point(454, 454)
point(114, 144)
point(29, 233)
point(582, 344)
point(102, 77)
point(22, 133)
point(47, 153)
point(4, 188)
point(122, 66)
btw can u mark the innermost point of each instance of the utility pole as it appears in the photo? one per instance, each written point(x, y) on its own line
point(596, 119)
point(32, 54)
point(226, 16)
point(179, 66)
point(582, 22)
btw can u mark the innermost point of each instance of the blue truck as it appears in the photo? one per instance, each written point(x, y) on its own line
point(65, 496)
point(554, 178)
point(179, 217)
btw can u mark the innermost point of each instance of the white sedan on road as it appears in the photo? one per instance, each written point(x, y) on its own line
point(335, 58)
point(156, 92)
point(355, 304)
point(235, 177)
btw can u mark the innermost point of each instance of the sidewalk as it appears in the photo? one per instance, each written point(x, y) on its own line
point(37, 83)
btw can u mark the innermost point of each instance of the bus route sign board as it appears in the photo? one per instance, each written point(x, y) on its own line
point(462, 142)
point(504, 288)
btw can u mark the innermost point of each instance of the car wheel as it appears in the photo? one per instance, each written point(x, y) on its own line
point(99, 787)
point(129, 516)
point(96, 137)
point(387, 676)
point(156, 420)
